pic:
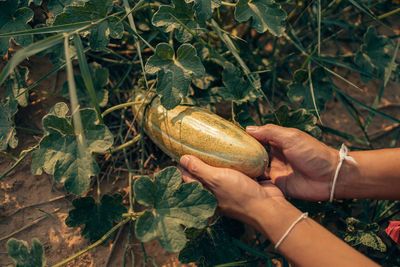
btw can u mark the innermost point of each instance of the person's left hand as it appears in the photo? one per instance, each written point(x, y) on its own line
point(235, 192)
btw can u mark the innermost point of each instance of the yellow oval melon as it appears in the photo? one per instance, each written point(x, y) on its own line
point(199, 132)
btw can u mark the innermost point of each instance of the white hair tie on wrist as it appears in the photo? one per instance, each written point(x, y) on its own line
point(342, 156)
point(302, 216)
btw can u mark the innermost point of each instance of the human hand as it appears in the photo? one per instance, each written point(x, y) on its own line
point(301, 166)
point(236, 193)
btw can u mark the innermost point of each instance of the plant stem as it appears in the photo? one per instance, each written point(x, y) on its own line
point(36, 205)
point(255, 81)
point(19, 160)
point(120, 106)
point(312, 92)
point(75, 113)
point(125, 145)
point(98, 189)
point(144, 254)
point(86, 75)
point(98, 242)
point(389, 13)
point(130, 177)
point(227, 3)
point(319, 27)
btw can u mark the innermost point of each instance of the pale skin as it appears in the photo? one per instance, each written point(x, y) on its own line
point(301, 167)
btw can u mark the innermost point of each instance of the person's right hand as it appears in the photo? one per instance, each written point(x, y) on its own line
point(301, 166)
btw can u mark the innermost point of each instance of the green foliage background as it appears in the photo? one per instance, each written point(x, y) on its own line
point(264, 59)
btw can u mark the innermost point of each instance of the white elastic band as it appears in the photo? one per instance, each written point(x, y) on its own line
point(343, 156)
point(302, 216)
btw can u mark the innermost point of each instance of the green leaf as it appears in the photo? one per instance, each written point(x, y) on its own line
point(98, 218)
point(300, 76)
point(299, 89)
point(174, 204)
point(298, 118)
point(242, 115)
point(56, 6)
point(167, 18)
point(28, 51)
point(236, 88)
point(15, 86)
point(174, 72)
point(19, 251)
point(7, 126)
point(94, 10)
point(213, 245)
point(359, 233)
point(370, 239)
point(203, 98)
point(204, 8)
point(26, 3)
point(12, 20)
point(58, 152)
point(373, 54)
point(100, 77)
point(266, 14)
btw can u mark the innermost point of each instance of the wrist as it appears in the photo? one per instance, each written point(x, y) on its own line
point(375, 176)
point(272, 216)
point(349, 182)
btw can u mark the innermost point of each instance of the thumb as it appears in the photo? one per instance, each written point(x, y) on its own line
point(204, 172)
point(270, 134)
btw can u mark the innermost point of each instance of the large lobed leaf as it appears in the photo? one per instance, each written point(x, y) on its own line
point(236, 88)
point(373, 55)
point(213, 245)
point(174, 204)
point(58, 153)
point(168, 18)
point(297, 118)
point(98, 218)
point(266, 14)
point(174, 72)
point(19, 251)
point(94, 10)
point(300, 89)
point(204, 8)
point(14, 19)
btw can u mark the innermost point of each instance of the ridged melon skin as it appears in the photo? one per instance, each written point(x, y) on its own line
point(196, 131)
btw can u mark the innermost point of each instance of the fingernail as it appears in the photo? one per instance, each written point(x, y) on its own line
point(184, 161)
point(251, 128)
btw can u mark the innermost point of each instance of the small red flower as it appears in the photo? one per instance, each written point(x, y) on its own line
point(393, 230)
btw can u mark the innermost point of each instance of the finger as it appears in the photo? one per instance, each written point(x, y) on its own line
point(266, 183)
point(267, 173)
point(270, 133)
point(275, 155)
point(199, 169)
point(187, 177)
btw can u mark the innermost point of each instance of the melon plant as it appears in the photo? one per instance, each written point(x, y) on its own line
point(251, 61)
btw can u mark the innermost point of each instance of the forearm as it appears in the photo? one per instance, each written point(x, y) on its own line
point(308, 244)
point(376, 175)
